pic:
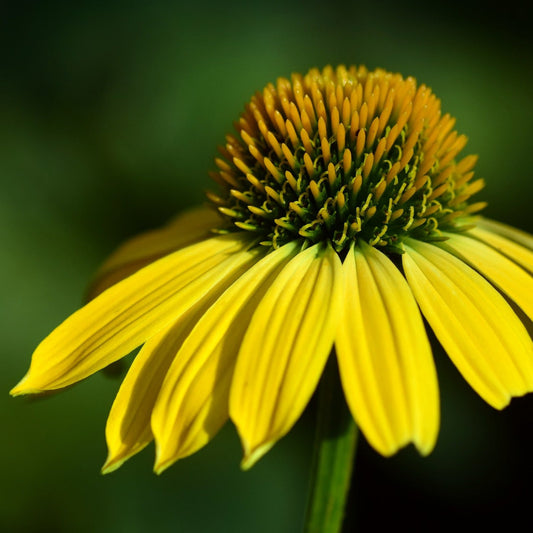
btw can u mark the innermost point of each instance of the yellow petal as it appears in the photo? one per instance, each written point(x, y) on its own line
point(285, 348)
point(193, 403)
point(385, 360)
point(128, 425)
point(483, 337)
point(509, 277)
point(185, 229)
point(130, 312)
point(514, 234)
point(511, 249)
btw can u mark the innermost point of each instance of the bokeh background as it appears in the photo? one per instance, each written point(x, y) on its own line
point(110, 113)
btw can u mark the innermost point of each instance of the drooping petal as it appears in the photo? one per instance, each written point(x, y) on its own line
point(513, 234)
point(185, 229)
point(508, 276)
point(193, 403)
point(128, 425)
point(513, 250)
point(285, 348)
point(132, 311)
point(482, 335)
point(385, 360)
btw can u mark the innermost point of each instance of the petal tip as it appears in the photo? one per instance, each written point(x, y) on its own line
point(22, 388)
point(502, 400)
point(163, 460)
point(252, 455)
point(389, 451)
point(111, 464)
point(161, 466)
point(386, 448)
point(424, 448)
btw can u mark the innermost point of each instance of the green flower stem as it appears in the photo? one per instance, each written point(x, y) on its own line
point(333, 456)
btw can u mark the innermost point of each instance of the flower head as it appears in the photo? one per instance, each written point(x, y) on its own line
point(343, 216)
point(342, 156)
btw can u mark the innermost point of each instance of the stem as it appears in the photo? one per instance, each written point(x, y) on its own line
point(333, 456)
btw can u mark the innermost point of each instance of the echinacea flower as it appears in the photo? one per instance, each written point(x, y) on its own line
point(343, 217)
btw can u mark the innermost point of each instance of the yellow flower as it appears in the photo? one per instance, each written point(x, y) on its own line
point(343, 216)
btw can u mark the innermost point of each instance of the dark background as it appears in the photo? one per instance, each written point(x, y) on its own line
point(110, 114)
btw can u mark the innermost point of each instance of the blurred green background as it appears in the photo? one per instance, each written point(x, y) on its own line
point(110, 117)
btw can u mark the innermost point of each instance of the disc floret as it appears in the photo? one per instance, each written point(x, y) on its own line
point(345, 154)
